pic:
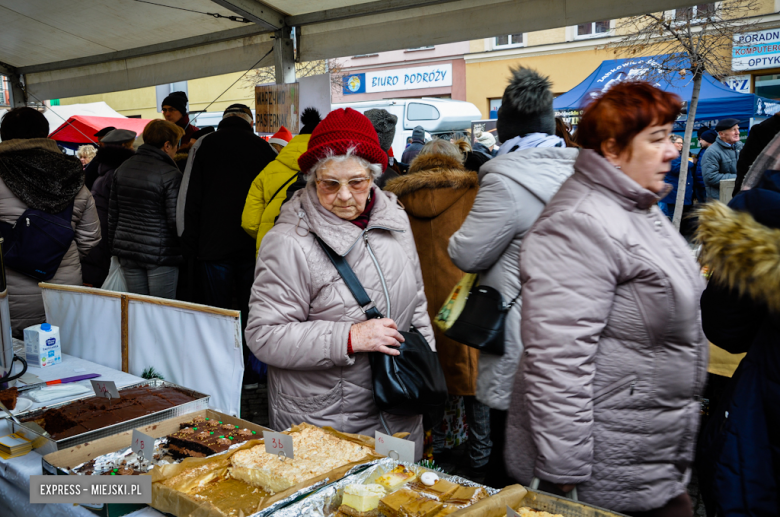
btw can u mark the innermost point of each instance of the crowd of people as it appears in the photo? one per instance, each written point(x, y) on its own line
point(600, 384)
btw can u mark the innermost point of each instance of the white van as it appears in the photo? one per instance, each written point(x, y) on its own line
point(436, 116)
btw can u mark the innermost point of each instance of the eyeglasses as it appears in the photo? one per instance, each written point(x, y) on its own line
point(355, 185)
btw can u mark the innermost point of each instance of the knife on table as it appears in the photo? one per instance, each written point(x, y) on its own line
point(59, 381)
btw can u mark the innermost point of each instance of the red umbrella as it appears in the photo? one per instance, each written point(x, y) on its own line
point(80, 129)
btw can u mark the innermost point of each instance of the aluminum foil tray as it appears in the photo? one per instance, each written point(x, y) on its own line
point(325, 501)
point(47, 444)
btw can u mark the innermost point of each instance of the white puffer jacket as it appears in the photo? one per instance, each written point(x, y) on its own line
point(513, 190)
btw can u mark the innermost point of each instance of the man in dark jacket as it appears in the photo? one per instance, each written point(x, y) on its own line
point(117, 149)
point(760, 135)
point(720, 161)
point(222, 171)
point(739, 450)
point(174, 109)
point(418, 141)
point(90, 172)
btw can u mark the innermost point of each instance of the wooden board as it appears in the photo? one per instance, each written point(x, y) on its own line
point(277, 105)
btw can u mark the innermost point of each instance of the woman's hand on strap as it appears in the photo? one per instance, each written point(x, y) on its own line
point(377, 335)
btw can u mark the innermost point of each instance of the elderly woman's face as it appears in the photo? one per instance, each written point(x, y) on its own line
point(343, 187)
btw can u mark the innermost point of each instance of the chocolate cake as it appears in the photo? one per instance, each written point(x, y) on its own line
point(203, 437)
point(94, 413)
point(8, 398)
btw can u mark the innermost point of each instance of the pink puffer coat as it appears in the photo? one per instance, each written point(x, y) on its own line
point(615, 359)
point(301, 312)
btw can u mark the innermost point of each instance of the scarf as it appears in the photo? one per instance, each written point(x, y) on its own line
point(37, 173)
point(364, 218)
point(529, 141)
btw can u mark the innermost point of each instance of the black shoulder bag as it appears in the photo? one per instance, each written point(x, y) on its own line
point(408, 384)
point(481, 324)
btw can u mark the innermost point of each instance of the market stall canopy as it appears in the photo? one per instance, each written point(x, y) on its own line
point(716, 100)
point(79, 130)
point(65, 48)
point(56, 115)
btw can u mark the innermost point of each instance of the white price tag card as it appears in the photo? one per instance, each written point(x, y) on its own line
point(105, 389)
point(279, 444)
point(510, 512)
point(396, 448)
point(143, 445)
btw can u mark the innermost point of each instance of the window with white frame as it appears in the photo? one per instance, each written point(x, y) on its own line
point(509, 40)
point(593, 29)
point(695, 12)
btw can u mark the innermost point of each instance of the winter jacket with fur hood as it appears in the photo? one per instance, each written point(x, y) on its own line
point(260, 211)
point(437, 193)
point(615, 358)
point(739, 453)
point(25, 300)
point(301, 312)
point(142, 210)
point(514, 188)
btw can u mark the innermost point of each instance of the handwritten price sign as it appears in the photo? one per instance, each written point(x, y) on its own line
point(143, 445)
point(279, 444)
point(396, 448)
point(105, 389)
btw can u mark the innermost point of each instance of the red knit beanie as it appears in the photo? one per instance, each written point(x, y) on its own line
point(342, 129)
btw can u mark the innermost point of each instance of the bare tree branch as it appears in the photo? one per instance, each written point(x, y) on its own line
point(687, 46)
point(334, 67)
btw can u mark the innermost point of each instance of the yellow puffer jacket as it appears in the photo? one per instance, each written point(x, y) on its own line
point(259, 216)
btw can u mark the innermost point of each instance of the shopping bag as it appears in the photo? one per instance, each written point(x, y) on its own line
point(115, 281)
point(455, 302)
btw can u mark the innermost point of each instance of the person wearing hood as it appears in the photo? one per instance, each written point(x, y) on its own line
point(117, 149)
point(739, 450)
point(413, 149)
point(385, 123)
point(269, 189)
point(608, 396)
point(437, 193)
point(222, 172)
point(174, 109)
point(34, 174)
point(514, 189)
point(759, 137)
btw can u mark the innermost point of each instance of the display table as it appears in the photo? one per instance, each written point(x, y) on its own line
point(15, 473)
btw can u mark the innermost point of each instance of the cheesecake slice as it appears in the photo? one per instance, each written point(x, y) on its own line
point(396, 478)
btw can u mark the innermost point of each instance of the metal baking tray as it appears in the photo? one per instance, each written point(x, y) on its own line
point(45, 444)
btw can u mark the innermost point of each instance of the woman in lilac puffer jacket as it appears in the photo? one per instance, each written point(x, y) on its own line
point(607, 396)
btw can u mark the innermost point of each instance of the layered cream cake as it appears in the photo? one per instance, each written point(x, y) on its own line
point(315, 453)
point(361, 500)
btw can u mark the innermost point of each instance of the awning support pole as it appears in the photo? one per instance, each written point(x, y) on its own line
point(284, 56)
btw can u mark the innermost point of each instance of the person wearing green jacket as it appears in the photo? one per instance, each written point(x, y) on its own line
point(269, 188)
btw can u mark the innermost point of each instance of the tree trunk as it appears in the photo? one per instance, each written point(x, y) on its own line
point(682, 182)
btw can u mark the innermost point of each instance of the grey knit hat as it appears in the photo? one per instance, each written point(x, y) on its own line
point(384, 123)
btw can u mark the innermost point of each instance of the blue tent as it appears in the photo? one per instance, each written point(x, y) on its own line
point(716, 101)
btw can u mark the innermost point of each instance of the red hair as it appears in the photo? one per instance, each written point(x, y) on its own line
point(623, 112)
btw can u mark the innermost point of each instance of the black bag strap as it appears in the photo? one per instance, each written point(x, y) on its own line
point(280, 188)
point(353, 284)
point(512, 303)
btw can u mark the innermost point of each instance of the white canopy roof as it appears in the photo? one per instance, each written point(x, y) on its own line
point(77, 47)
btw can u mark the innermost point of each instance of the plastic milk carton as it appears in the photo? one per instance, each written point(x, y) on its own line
point(42, 344)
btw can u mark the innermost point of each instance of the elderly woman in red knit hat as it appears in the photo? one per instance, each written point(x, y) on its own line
point(303, 320)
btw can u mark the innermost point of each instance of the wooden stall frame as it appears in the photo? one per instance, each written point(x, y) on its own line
point(126, 298)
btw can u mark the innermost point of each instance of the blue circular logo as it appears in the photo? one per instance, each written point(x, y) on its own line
point(353, 83)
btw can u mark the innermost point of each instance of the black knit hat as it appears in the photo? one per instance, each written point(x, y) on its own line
point(310, 119)
point(384, 123)
point(178, 101)
point(527, 106)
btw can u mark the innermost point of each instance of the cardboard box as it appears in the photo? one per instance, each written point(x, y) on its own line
point(56, 463)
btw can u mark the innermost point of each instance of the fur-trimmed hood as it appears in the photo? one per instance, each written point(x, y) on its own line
point(741, 252)
point(434, 183)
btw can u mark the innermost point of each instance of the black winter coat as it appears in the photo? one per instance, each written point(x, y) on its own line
point(759, 137)
point(142, 211)
point(739, 451)
point(94, 267)
point(226, 164)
